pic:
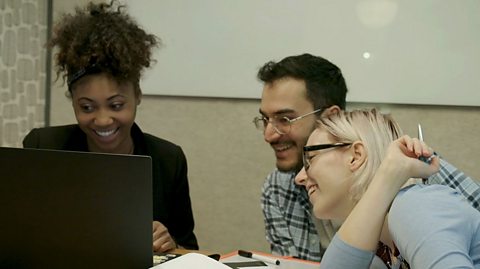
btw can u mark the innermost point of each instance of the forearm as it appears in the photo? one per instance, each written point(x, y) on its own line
point(362, 228)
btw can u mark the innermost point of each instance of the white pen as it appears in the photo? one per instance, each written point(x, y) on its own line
point(420, 134)
point(420, 137)
point(254, 256)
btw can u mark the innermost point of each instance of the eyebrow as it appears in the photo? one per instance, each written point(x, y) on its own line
point(278, 112)
point(108, 99)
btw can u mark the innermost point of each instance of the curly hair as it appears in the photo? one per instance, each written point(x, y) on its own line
point(103, 37)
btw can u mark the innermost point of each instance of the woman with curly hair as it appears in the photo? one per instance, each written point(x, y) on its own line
point(356, 165)
point(101, 52)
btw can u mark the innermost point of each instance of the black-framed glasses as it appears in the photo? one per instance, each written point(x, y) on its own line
point(307, 159)
point(281, 125)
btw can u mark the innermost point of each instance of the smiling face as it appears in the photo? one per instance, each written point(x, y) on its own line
point(329, 179)
point(105, 111)
point(287, 97)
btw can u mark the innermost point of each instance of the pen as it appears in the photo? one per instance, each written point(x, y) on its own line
point(420, 137)
point(254, 256)
point(421, 158)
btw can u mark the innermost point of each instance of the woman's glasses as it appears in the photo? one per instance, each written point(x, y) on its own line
point(307, 158)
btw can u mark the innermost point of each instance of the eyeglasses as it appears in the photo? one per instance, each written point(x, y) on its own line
point(307, 159)
point(280, 125)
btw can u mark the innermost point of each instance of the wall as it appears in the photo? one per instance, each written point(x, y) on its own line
point(23, 26)
point(228, 159)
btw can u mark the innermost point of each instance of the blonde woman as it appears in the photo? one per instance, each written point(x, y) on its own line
point(355, 164)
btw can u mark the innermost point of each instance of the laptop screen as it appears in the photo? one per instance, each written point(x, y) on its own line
point(64, 209)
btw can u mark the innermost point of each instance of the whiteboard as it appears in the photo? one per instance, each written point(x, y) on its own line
point(405, 51)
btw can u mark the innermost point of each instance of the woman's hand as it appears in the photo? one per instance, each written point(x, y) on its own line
point(162, 240)
point(402, 162)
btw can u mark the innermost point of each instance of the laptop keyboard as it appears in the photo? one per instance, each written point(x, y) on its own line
point(159, 258)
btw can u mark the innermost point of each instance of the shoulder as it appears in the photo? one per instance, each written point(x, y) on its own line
point(161, 147)
point(279, 180)
point(51, 137)
point(55, 130)
point(431, 195)
point(422, 209)
point(419, 200)
point(432, 218)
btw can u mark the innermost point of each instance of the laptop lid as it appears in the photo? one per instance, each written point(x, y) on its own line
point(63, 209)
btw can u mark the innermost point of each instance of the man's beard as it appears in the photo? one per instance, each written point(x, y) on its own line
point(295, 168)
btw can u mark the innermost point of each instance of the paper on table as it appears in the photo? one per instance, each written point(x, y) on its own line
point(192, 260)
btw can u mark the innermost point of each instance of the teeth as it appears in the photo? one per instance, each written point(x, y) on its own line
point(282, 147)
point(105, 133)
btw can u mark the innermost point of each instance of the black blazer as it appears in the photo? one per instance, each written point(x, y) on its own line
point(171, 199)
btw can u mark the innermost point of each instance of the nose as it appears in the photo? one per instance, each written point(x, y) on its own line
point(103, 118)
point(270, 134)
point(301, 177)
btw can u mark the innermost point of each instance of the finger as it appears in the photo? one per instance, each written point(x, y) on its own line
point(156, 225)
point(168, 246)
point(164, 243)
point(424, 170)
point(407, 141)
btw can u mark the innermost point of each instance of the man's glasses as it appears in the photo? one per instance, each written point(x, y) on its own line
point(280, 125)
point(307, 159)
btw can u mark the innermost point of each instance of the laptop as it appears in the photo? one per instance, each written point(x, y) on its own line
point(63, 209)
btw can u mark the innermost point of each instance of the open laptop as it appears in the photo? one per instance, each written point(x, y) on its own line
point(62, 209)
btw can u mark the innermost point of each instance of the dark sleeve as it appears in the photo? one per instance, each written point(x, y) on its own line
point(182, 231)
point(171, 198)
point(31, 139)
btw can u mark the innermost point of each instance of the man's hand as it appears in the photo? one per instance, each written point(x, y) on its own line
point(162, 240)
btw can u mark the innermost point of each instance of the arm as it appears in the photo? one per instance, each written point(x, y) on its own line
point(442, 232)
point(344, 256)
point(173, 218)
point(182, 230)
point(361, 229)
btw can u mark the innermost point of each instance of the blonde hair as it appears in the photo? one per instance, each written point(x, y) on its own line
point(374, 129)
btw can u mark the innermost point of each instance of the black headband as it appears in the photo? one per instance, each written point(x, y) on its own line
point(91, 69)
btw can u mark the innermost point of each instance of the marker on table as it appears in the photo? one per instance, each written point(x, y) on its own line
point(254, 256)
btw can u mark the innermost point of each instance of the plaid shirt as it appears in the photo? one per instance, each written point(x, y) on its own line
point(289, 225)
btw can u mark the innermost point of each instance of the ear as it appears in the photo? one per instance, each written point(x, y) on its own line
point(331, 110)
point(358, 155)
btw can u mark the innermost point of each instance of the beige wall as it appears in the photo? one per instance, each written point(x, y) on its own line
point(23, 28)
point(228, 159)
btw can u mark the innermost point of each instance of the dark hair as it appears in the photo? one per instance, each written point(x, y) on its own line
point(101, 39)
point(324, 80)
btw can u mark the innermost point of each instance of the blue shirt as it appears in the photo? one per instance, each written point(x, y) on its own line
point(289, 225)
point(432, 226)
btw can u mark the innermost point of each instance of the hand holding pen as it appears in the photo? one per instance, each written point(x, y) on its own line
point(423, 158)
